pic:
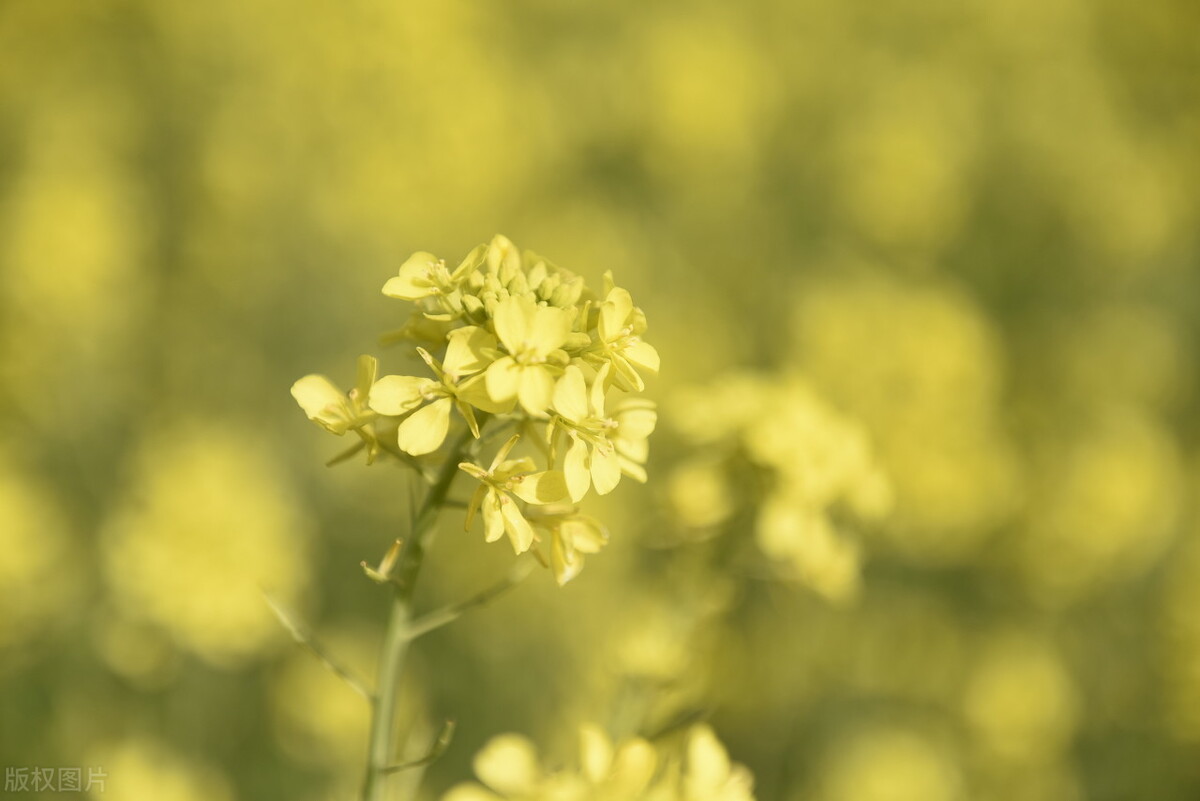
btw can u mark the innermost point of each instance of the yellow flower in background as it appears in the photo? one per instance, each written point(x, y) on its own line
point(533, 337)
point(140, 768)
point(632, 769)
point(820, 467)
point(889, 763)
point(39, 573)
point(1020, 702)
point(503, 480)
point(709, 775)
point(205, 528)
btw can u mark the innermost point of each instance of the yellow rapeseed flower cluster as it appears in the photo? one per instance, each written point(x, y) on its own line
point(634, 769)
point(820, 474)
point(511, 339)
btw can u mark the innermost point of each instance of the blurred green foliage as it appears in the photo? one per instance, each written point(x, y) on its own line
point(969, 228)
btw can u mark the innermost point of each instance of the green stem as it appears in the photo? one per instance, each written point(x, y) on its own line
point(381, 749)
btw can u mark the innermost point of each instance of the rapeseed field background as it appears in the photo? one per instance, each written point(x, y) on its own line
point(924, 276)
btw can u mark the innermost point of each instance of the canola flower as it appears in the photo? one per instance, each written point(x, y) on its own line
point(634, 769)
point(521, 342)
point(820, 476)
point(512, 342)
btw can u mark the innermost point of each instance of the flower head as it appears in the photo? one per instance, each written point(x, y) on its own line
point(619, 329)
point(509, 339)
point(532, 337)
point(425, 429)
point(500, 485)
point(336, 411)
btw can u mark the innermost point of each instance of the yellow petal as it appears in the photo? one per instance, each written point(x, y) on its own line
point(511, 319)
point(368, 371)
point(586, 533)
point(471, 263)
point(548, 330)
point(493, 520)
point(503, 378)
point(541, 488)
point(636, 420)
point(470, 792)
point(413, 282)
point(643, 355)
point(564, 561)
point(535, 390)
point(614, 311)
point(599, 387)
point(632, 469)
point(570, 395)
point(468, 351)
point(633, 767)
point(518, 528)
point(575, 469)
point(606, 469)
point(475, 392)
point(509, 765)
point(399, 394)
point(322, 402)
point(425, 431)
point(708, 762)
point(596, 752)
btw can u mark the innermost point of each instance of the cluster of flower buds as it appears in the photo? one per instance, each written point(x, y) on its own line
point(510, 340)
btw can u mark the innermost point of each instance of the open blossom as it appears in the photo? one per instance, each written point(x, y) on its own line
point(424, 276)
point(532, 337)
point(425, 430)
point(619, 329)
point(504, 481)
point(336, 411)
point(603, 445)
point(571, 536)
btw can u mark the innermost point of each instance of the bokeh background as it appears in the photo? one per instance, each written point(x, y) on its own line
point(955, 240)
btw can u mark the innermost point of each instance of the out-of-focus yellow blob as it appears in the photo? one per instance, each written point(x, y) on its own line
point(922, 367)
point(318, 717)
point(207, 527)
point(699, 494)
point(134, 649)
point(140, 769)
point(903, 161)
point(1020, 702)
point(889, 764)
point(39, 567)
point(73, 239)
point(709, 96)
point(1108, 501)
point(1179, 632)
point(1124, 352)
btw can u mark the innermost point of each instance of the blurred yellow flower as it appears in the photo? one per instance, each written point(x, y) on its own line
point(139, 768)
point(39, 573)
point(630, 770)
point(206, 527)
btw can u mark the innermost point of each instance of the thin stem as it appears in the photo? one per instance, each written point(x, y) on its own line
point(397, 637)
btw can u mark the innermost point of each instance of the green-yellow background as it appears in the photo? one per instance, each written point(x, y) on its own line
point(970, 225)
